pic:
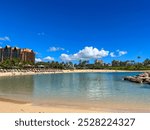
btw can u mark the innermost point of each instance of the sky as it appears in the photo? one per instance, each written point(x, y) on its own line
point(70, 30)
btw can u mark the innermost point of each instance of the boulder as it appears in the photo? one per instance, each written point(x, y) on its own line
point(127, 78)
point(148, 74)
point(141, 78)
point(147, 80)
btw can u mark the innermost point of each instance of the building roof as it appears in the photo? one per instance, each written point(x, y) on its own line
point(7, 46)
point(16, 48)
point(26, 50)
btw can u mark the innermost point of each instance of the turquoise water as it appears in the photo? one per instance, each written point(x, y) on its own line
point(90, 87)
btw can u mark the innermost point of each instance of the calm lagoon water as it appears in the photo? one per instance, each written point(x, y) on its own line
point(90, 87)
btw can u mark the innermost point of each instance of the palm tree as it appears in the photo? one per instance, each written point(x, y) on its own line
point(139, 57)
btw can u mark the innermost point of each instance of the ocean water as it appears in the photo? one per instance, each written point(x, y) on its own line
point(83, 87)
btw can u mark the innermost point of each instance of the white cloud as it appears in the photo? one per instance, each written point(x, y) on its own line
point(65, 57)
point(49, 58)
point(56, 49)
point(38, 59)
point(36, 53)
point(6, 38)
point(121, 52)
point(112, 54)
point(85, 54)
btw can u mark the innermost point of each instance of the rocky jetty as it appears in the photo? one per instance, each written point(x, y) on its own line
point(141, 78)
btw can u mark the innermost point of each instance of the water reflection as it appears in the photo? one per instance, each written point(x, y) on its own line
point(17, 87)
point(76, 86)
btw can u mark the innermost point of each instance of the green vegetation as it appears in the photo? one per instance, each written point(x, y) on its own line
point(115, 65)
point(14, 63)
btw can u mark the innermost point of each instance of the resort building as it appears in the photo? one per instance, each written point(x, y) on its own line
point(99, 62)
point(25, 55)
point(1, 54)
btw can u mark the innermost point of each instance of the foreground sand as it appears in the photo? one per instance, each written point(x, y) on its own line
point(10, 106)
point(13, 106)
point(29, 108)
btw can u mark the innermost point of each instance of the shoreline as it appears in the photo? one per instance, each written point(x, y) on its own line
point(14, 106)
point(7, 74)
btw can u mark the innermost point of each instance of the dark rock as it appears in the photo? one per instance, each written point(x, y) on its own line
point(148, 74)
point(147, 80)
point(127, 78)
point(141, 78)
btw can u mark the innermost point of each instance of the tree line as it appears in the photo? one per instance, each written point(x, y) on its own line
point(82, 64)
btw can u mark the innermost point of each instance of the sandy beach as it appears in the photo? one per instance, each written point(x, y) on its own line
point(18, 107)
point(2, 74)
point(14, 106)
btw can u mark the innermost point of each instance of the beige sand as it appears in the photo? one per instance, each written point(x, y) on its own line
point(2, 74)
point(10, 106)
point(13, 106)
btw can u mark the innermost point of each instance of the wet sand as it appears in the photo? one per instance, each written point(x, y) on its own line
point(14, 106)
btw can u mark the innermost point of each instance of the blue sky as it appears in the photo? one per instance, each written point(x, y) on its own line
point(77, 29)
